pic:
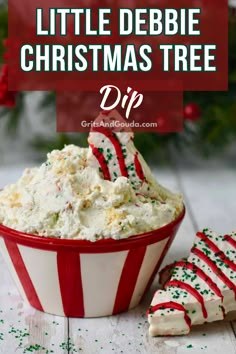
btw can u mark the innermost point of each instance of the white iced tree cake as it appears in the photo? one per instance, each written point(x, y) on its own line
point(201, 288)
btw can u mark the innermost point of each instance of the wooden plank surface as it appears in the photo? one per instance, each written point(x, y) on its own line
point(23, 329)
point(208, 204)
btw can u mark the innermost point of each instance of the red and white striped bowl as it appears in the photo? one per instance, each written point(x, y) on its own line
point(77, 278)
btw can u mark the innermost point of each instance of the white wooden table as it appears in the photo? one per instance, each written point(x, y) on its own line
point(210, 198)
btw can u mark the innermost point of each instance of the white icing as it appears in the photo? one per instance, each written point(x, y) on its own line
point(170, 323)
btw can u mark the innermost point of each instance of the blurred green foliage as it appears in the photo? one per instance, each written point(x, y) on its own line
point(3, 29)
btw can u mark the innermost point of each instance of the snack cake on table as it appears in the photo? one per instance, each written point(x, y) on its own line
point(199, 289)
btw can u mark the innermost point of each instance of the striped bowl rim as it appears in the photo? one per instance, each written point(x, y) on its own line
point(100, 246)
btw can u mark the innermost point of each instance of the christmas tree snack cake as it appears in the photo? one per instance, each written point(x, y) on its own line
point(199, 289)
point(116, 156)
point(108, 182)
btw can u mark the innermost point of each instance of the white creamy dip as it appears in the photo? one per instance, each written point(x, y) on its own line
point(67, 197)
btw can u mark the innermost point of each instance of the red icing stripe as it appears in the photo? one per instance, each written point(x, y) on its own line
point(190, 290)
point(116, 143)
point(171, 305)
point(223, 311)
point(138, 168)
point(215, 269)
point(69, 269)
point(23, 274)
point(217, 251)
point(102, 162)
point(106, 112)
point(230, 240)
point(195, 269)
point(128, 279)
